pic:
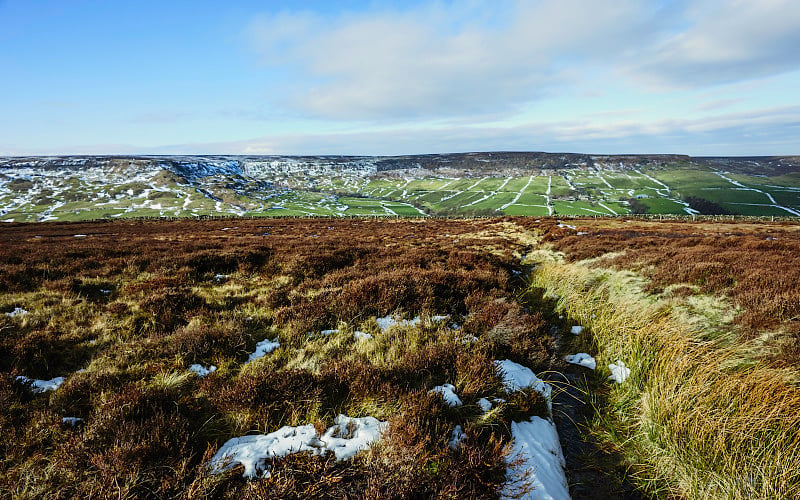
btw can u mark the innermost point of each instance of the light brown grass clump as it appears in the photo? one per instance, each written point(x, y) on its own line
point(707, 420)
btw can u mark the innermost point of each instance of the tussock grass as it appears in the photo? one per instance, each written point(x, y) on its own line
point(753, 267)
point(701, 416)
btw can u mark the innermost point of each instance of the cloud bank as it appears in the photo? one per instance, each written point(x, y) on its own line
point(467, 59)
point(775, 130)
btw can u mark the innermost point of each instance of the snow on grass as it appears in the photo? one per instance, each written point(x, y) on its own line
point(201, 370)
point(448, 392)
point(619, 372)
point(576, 330)
point(581, 359)
point(18, 311)
point(264, 347)
point(518, 196)
point(345, 438)
point(485, 404)
point(362, 335)
point(71, 421)
point(516, 377)
point(328, 332)
point(456, 438)
point(536, 442)
point(389, 321)
point(39, 386)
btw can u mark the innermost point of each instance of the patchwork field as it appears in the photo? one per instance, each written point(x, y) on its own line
point(473, 184)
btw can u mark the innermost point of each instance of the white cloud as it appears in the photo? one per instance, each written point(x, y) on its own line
point(724, 41)
point(765, 131)
point(443, 60)
point(471, 59)
point(775, 131)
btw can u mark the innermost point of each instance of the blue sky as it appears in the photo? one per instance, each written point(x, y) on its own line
point(706, 77)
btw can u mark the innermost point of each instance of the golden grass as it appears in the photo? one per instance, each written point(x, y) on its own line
point(700, 414)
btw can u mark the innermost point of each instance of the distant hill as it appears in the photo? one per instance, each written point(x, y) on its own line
point(477, 183)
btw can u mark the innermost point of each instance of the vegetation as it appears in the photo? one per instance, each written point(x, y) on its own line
point(705, 207)
point(710, 338)
point(123, 311)
point(705, 314)
point(468, 185)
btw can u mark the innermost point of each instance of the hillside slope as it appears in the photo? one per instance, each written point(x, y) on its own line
point(498, 183)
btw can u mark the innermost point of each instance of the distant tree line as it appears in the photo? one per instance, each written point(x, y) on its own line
point(706, 207)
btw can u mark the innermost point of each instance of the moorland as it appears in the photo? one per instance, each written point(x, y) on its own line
point(161, 341)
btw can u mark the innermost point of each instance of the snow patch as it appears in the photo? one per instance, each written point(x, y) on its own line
point(619, 372)
point(345, 438)
point(581, 359)
point(264, 347)
point(516, 377)
point(389, 321)
point(201, 370)
point(362, 335)
point(328, 332)
point(576, 330)
point(536, 442)
point(39, 386)
point(448, 392)
point(485, 404)
point(71, 421)
point(468, 339)
point(18, 311)
point(456, 438)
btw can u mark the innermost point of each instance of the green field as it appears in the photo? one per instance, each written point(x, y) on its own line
point(576, 191)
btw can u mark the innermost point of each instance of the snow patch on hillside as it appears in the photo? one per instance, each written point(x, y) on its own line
point(581, 359)
point(263, 348)
point(448, 392)
point(536, 442)
point(345, 438)
point(39, 386)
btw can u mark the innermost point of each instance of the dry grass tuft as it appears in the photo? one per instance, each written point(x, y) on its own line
point(708, 420)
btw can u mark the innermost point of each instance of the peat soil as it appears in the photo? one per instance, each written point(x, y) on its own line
point(593, 470)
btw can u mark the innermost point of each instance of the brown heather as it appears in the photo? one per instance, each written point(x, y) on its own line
point(133, 304)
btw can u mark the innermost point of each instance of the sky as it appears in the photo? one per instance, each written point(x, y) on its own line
point(702, 77)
